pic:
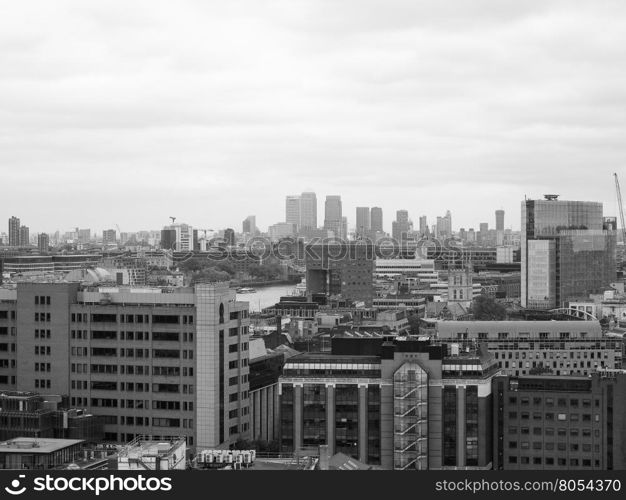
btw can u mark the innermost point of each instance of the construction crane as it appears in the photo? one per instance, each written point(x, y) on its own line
point(621, 209)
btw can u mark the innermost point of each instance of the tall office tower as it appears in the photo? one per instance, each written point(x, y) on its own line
point(229, 237)
point(400, 227)
point(566, 253)
point(471, 235)
point(423, 225)
point(292, 210)
point(308, 211)
point(108, 236)
point(363, 223)
point(462, 234)
point(43, 242)
point(24, 236)
point(344, 227)
point(376, 220)
point(14, 231)
point(165, 364)
point(333, 216)
point(249, 225)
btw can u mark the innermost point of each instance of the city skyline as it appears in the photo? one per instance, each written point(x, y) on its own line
point(400, 105)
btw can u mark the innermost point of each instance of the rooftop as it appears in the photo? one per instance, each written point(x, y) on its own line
point(36, 445)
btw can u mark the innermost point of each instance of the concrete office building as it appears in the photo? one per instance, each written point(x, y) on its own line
point(150, 363)
point(24, 236)
point(566, 253)
point(557, 423)
point(341, 269)
point(528, 347)
point(404, 405)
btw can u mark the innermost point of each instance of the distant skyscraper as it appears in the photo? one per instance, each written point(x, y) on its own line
point(249, 225)
point(499, 227)
point(376, 220)
point(292, 210)
point(444, 225)
point(499, 220)
point(308, 211)
point(168, 239)
point(400, 227)
point(43, 242)
point(84, 235)
point(14, 231)
point(333, 215)
point(363, 223)
point(109, 236)
point(483, 233)
point(423, 225)
point(566, 254)
point(229, 236)
point(24, 236)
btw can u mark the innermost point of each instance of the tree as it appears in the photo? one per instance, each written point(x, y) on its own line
point(485, 308)
point(209, 275)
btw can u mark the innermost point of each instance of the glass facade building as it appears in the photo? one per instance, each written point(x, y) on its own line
point(566, 253)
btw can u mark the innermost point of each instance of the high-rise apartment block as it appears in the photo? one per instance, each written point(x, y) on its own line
point(566, 253)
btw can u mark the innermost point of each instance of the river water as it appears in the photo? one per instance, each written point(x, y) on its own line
point(265, 296)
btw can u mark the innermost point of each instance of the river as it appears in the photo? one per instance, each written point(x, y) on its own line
point(265, 296)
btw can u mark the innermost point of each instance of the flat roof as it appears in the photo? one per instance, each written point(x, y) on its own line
point(36, 445)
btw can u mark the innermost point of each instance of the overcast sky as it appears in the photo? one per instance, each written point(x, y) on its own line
point(127, 112)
